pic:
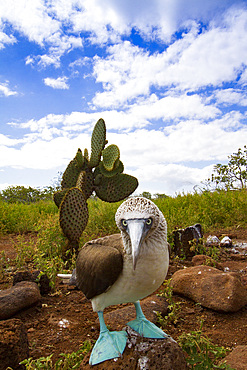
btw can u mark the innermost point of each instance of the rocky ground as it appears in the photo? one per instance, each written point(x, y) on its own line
point(63, 320)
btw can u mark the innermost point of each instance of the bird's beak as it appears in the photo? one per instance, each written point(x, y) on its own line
point(137, 232)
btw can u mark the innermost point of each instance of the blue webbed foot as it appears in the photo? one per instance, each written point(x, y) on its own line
point(109, 344)
point(144, 327)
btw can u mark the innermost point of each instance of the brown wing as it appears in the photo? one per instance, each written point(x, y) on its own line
point(99, 264)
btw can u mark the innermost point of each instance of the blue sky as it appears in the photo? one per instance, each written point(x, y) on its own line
point(168, 77)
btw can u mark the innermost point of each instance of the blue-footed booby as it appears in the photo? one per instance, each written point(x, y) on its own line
point(124, 268)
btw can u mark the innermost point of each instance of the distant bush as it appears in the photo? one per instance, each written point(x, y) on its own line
point(211, 209)
point(21, 194)
point(22, 218)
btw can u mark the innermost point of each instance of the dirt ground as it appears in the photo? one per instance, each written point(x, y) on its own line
point(64, 320)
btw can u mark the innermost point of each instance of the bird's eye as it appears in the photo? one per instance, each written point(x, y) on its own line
point(149, 222)
point(124, 223)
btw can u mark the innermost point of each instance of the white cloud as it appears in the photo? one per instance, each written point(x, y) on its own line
point(30, 18)
point(5, 90)
point(195, 61)
point(57, 83)
point(170, 179)
point(231, 96)
point(43, 22)
point(165, 160)
point(6, 39)
point(7, 141)
point(243, 78)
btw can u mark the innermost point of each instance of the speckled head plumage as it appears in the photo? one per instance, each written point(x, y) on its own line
point(138, 207)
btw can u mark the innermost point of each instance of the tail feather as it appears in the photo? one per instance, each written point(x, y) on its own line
point(69, 279)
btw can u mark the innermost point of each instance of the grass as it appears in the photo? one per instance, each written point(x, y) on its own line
point(212, 210)
point(22, 218)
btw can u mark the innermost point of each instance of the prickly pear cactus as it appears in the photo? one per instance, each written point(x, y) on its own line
point(110, 155)
point(58, 196)
point(118, 187)
point(98, 142)
point(73, 214)
point(118, 168)
point(102, 173)
point(81, 162)
point(70, 175)
point(85, 183)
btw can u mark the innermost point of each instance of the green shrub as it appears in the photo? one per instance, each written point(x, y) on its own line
point(201, 352)
point(67, 361)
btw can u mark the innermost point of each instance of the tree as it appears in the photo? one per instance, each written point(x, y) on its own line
point(232, 175)
point(22, 194)
point(146, 194)
point(160, 196)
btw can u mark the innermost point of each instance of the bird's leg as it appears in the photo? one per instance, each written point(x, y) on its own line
point(143, 326)
point(109, 344)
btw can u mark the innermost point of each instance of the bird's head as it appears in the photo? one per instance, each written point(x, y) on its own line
point(138, 218)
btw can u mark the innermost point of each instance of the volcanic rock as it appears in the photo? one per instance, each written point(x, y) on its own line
point(143, 353)
point(37, 277)
point(226, 242)
point(212, 241)
point(210, 287)
point(13, 344)
point(18, 297)
point(186, 239)
point(237, 359)
point(202, 259)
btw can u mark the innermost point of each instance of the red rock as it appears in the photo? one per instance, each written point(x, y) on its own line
point(20, 296)
point(212, 288)
point(144, 353)
point(237, 359)
point(202, 259)
point(13, 344)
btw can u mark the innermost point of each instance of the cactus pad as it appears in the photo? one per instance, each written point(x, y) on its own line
point(118, 168)
point(85, 183)
point(70, 174)
point(73, 214)
point(98, 141)
point(80, 159)
point(86, 154)
point(98, 179)
point(110, 155)
point(58, 196)
point(118, 187)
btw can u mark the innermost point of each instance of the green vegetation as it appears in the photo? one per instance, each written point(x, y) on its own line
point(211, 209)
point(21, 194)
point(67, 361)
point(232, 175)
point(201, 352)
point(23, 217)
point(173, 307)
